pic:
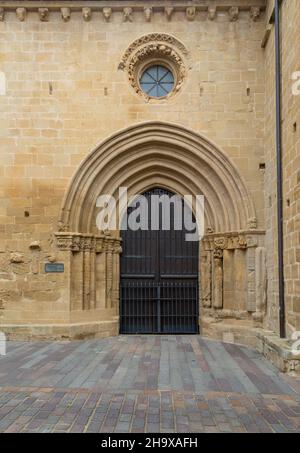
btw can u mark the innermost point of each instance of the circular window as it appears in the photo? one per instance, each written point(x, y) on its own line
point(157, 81)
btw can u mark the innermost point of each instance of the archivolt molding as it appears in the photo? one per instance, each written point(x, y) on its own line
point(159, 154)
point(150, 38)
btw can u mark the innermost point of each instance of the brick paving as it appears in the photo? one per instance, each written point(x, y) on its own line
point(144, 384)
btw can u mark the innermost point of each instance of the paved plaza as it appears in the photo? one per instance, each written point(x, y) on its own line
point(144, 384)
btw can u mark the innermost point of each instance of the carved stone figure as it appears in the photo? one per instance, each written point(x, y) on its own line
point(191, 13)
point(16, 258)
point(127, 14)
point(107, 12)
point(255, 13)
point(233, 13)
point(65, 14)
point(169, 10)
point(21, 14)
point(148, 13)
point(252, 223)
point(212, 12)
point(43, 14)
point(87, 14)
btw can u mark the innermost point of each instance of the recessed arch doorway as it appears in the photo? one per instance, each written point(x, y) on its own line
point(168, 156)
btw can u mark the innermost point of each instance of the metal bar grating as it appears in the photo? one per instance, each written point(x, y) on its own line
point(168, 307)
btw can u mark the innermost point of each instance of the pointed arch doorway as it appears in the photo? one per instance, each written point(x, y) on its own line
point(159, 275)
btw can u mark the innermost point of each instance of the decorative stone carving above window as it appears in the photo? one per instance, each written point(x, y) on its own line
point(155, 49)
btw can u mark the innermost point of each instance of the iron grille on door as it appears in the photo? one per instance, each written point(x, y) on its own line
point(159, 279)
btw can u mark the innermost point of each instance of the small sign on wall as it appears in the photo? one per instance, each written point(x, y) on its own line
point(54, 267)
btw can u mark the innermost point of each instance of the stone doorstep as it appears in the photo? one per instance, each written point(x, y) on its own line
point(71, 331)
point(278, 351)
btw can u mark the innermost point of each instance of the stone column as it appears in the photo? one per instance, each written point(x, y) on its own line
point(100, 280)
point(76, 281)
point(229, 280)
point(116, 276)
point(240, 277)
point(109, 274)
point(260, 283)
point(251, 302)
point(92, 280)
point(218, 279)
point(205, 275)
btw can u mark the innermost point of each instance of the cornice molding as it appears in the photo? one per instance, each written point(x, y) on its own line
point(129, 8)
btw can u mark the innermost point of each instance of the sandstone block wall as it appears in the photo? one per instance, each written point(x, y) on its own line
point(291, 168)
point(65, 94)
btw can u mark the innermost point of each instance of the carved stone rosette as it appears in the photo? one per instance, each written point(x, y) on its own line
point(155, 48)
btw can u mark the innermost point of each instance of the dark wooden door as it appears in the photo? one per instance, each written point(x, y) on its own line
point(159, 278)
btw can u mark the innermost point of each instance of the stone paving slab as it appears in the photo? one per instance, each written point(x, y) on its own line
point(78, 410)
point(144, 384)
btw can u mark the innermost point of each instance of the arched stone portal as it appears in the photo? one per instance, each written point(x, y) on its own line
point(170, 156)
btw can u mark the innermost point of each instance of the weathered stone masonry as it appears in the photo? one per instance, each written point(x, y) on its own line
point(71, 71)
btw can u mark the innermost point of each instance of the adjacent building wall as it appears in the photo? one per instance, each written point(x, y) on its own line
point(290, 15)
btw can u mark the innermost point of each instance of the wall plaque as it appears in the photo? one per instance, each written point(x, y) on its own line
point(54, 267)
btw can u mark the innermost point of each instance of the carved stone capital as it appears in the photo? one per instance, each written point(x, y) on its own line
point(233, 240)
point(218, 254)
point(68, 241)
point(233, 13)
point(21, 14)
point(43, 14)
point(87, 243)
point(221, 243)
point(77, 242)
point(86, 14)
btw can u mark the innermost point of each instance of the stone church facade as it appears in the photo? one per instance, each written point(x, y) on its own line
point(76, 123)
